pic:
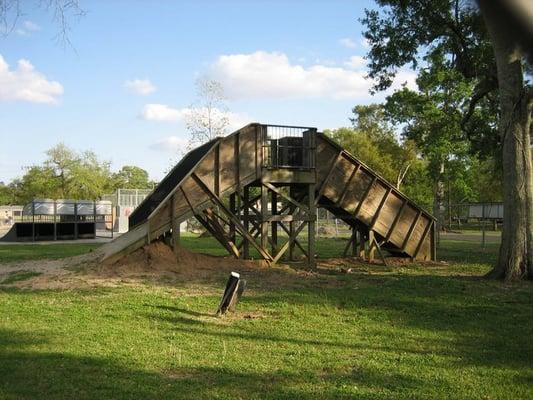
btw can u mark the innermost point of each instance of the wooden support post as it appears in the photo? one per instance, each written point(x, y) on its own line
point(362, 241)
point(246, 211)
point(274, 224)
point(291, 235)
point(264, 216)
point(349, 243)
point(311, 232)
point(371, 245)
point(354, 242)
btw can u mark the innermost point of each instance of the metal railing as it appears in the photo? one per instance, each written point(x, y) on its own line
point(288, 146)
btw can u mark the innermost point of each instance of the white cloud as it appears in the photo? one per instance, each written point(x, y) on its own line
point(364, 42)
point(161, 113)
point(356, 62)
point(28, 27)
point(348, 43)
point(165, 113)
point(140, 86)
point(26, 84)
point(173, 144)
point(263, 75)
point(31, 26)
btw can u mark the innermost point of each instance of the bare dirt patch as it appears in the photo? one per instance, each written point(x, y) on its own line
point(158, 264)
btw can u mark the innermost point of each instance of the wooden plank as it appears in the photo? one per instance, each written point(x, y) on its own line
point(411, 229)
point(365, 194)
point(311, 231)
point(380, 207)
point(328, 176)
point(423, 238)
point(338, 203)
point(396, 219)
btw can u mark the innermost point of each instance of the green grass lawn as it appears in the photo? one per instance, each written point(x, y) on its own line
point(409, 332)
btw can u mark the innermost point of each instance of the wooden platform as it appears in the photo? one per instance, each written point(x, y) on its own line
point(201, 184)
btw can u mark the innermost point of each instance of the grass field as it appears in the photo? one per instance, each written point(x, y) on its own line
point(401, 332)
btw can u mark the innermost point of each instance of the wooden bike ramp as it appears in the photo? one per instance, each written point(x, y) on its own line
point(344, 186)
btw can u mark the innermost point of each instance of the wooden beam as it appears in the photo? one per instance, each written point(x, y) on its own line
point(311, 228)
point(423, 238)
point(219, 228)
point(380, 207)
point(365, 195)
point(395, 222)
point(216, 234)
point(295, 241)
point(287, 244)
point(411, 229)
point(328, 176)
point(286, 197)
point(274, 224)
point(216, 170)
point(262, 251)
point(338, 203)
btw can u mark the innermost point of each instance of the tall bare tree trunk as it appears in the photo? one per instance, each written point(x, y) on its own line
point(516, 251)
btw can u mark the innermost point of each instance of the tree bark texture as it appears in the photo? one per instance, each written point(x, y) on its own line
point(516, 251)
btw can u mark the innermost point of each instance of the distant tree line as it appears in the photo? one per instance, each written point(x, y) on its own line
point(68, 174)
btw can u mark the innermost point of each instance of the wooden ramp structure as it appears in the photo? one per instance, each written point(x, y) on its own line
point(260, 188)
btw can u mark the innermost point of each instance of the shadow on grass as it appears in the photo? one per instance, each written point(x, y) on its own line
point(31, 374)
point(475, 322)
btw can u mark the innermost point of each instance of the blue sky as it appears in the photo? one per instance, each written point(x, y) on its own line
point(284, 62)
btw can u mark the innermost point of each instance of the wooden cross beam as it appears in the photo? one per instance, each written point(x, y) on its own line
point(286, 197)
point(262, 251)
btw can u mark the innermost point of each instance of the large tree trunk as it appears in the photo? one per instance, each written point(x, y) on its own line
point(516, 252)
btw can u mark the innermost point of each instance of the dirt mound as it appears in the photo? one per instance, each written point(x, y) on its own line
point(158, 259)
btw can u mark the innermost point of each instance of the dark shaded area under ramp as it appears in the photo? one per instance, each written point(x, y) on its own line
point(10, 235)
point(169, 182)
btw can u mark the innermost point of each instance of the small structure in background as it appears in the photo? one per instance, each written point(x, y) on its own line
point(46, 219)
point(8, 214)
point(124, 202)
point(232, 294)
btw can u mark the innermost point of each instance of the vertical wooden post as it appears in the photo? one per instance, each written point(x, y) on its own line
point(291, 230)
point(55, 220)
point(264, 217)
point(246, 210)
point(311, 250)
point(361, 243)
point(354, 241)
point(233, 208)
point(371, 245)
point(274, 211)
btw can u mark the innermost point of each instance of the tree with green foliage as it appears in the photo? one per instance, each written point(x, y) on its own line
point(131, 177)
point(452, 33)
point(6, 194)
point(431, 117)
